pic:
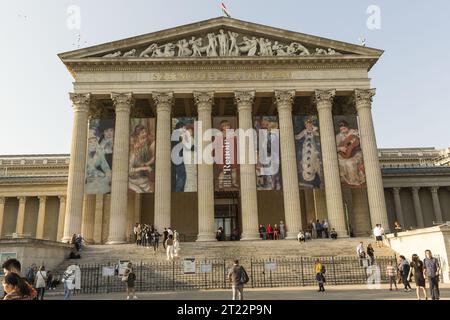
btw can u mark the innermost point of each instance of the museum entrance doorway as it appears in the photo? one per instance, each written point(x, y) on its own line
point(226, 212)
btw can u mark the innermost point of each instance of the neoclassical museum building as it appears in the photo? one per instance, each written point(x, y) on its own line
point(141, 102)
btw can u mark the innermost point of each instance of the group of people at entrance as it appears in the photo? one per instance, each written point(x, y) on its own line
point(148, 236)
point(272, 233)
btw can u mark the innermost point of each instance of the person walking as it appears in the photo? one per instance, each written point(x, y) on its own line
point(404, 267)
point(361, 253)
point(16, 288)
point(238, 277)
point(371, 254)
point(417, 269)
point(391, 273)
point(320, 271)
point(129, 277)
point(169, 247)
point(69, 282)
point(156, 236)
point(41, 282)
point(165, 237)
point(432, 269)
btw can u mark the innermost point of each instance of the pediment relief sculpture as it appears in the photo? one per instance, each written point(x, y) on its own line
point(223, 44)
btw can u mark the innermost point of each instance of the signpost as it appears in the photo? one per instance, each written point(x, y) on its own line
point(189, 266)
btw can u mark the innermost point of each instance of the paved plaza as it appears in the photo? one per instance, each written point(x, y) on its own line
point(354, 292)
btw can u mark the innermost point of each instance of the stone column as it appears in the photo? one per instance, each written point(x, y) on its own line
point(398, 207)
point(320, 206)
point(249, 201)
point(119, 185)
point(292, 210)
point(333, 191)
point(87, 226)
point(21, 216)
point(417, 207)
point(163, 185)
point(137, 207)
point(205, 188)
point(61, 217)
point(310, 205)
point(98, 219)
point(77, 167)
point(41, 217)
point(375, 190)
point(436, 205)
point(2, 213)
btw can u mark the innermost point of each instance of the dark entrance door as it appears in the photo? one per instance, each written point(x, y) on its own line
point(226, 217)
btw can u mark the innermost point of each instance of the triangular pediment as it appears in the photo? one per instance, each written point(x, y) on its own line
point(220, 38)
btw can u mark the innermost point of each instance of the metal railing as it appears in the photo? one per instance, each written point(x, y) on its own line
point(263, 273)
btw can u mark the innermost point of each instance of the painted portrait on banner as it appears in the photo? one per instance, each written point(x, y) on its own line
point(184, 158)
point(308, 152)
point(99, 156)
point(350, 157)
point(268, 170)
point(142, 155)
point(226, 174)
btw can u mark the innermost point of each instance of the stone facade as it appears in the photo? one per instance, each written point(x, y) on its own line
point(243, 70)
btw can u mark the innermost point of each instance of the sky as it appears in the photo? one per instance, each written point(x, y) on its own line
point(412, 78)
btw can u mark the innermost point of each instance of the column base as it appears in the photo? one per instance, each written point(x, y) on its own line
point(66, 240)
point(206, 237)
point(291, 235)
point(116, 241)
point(250, 237)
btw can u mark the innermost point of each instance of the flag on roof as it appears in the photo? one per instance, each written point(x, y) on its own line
point(225, 10)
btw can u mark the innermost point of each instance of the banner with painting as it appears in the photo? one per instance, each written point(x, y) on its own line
point(226, 169)
point(99, 156)
point(268, 170)
point(184, 157)
point(141, 178)
point(308, 152)
point(350, 157)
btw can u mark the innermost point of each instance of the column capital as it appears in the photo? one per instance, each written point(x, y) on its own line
point(42, 198)
point(62, 198)
point(163, 101)
point(284, 99)
point(415, 189)
point(81, 101)
point(324, 98)
point(244, 99)
point(364, 97)
point(396, 190)
point(122, 101)
point(204, 100)
point(22, 199)
point(434, 189)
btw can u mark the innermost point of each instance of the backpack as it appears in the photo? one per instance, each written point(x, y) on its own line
point(131, 277)
point(243, 276)
point(323, 270)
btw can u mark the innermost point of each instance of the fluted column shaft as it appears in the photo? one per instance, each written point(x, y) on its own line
point(292, 210)
point(163, 102)
point(77, 167)
point(333, 191)
point(2, 214)
point(205, 181)
point(247, 171)
point(41, 217)
point(417, 207)
point(87, 227)
point(98, 218)
point(398, 207)
point(436, 205)
point(61, 218)
point(320, 205)
point(375, 190)
point(119, 185)
point(21, 216)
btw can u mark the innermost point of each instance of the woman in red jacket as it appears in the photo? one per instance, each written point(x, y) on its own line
point(270, 232)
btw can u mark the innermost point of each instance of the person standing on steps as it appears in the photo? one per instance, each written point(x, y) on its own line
point(165, 237)
point(371, 254)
